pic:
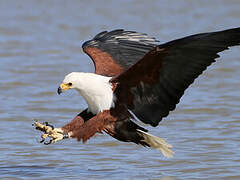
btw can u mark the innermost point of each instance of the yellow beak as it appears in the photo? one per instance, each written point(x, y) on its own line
point(63, 87)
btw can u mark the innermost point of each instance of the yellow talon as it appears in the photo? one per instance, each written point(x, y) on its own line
point(55, 134)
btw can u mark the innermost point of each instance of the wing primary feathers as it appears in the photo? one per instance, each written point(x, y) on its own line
point(153, 86)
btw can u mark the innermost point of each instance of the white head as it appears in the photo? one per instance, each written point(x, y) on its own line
point(96, 89)
point(73, 80)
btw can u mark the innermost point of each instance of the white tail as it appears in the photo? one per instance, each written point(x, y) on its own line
point(157, 143)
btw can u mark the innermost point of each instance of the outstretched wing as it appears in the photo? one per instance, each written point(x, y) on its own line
point(154, 85)
point(115, 51)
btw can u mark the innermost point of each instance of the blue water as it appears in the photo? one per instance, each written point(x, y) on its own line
point(40, 42)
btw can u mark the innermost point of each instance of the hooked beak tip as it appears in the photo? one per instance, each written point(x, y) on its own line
point(59, 91)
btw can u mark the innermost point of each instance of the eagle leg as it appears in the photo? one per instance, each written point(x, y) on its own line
point(55, 134)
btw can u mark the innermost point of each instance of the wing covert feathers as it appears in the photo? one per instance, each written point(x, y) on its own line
point(115, 51)
point(153, 86)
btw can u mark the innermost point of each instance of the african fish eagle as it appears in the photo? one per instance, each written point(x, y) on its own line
point(136, 79)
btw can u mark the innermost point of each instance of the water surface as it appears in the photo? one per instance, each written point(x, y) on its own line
point(40, 42)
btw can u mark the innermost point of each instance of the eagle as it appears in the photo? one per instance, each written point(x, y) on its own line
point(136, 79)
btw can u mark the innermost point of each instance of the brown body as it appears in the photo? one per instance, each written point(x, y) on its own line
point(115, 122)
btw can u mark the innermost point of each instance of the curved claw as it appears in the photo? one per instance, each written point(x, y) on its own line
point(43, 136)
point(49, 142)
point(42, 140)
point(47, 124)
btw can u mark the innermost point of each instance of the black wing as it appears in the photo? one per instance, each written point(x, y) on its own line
point(154, 85)
point(115, 51)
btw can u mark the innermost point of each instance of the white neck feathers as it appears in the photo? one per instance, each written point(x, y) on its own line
point(95, 89)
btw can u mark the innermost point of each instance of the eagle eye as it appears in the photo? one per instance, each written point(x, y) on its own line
point(69, 84)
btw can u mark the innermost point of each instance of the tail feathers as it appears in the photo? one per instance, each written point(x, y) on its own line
point(157, 143)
